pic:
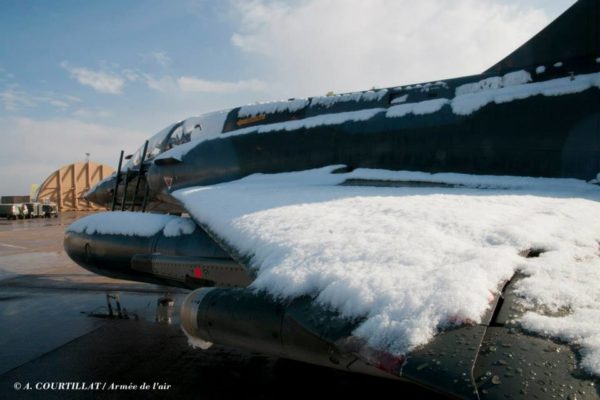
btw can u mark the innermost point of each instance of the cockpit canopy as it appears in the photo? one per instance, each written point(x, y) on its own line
point(173, 135)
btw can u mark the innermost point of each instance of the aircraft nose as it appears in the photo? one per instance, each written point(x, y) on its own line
point(102, 193)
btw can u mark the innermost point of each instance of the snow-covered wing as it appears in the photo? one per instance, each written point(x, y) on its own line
point(413, 259)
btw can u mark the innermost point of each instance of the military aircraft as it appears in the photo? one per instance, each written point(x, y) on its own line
point(536, 113)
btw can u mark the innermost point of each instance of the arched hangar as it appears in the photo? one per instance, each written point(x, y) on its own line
point(67, 185)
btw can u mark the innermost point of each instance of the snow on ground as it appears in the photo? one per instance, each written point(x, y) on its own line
point(132, 224)
point(414, 261)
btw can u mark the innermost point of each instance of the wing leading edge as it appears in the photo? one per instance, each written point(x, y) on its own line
point(401, 272)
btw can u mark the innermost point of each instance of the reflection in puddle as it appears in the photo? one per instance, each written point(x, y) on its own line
point(41, 321)
point(164, 310)
point(20, 264)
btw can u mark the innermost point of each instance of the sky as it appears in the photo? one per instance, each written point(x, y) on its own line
point(99, 77)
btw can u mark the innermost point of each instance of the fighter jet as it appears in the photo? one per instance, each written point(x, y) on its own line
point(536, 113)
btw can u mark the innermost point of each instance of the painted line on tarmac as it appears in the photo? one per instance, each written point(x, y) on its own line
point(12, 246)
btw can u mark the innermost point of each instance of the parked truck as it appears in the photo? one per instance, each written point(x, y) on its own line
point(10, 211)
point(36, 210)
point(50, 210)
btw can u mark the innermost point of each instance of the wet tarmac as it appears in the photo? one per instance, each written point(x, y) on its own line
point(55, 329)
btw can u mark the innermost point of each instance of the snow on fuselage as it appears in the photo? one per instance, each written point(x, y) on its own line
point(521, 123)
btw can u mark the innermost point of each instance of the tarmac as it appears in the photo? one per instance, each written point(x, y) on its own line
point(58, 339)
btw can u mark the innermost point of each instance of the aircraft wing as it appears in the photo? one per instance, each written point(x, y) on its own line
point(469, 285)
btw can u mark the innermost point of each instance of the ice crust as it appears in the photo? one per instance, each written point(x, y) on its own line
point(414, 261)
point(129, 223)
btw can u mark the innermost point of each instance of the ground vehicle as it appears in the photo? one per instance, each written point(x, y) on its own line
point(50, 210)
point(10, 211)
point(23, 211)
point(36, 210)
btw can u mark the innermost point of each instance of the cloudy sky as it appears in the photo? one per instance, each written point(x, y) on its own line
point(96, 77)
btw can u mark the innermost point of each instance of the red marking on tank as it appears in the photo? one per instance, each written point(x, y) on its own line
point(390, 363)
point(197, 272)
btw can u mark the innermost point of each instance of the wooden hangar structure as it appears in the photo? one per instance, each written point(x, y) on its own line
point(67, 185)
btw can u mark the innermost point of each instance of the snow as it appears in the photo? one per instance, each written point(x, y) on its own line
point(211, 124)
point(472, 98)
point(196, 342)
point(306, 123)
point(211, 128)
point(189, 125)
point(179, 226)
point(311, 122)
point(421, 108)
point(272, 107)
point(328, 101)
point(485, 84)
point(579, 327)
point(129, 223)
point(495, 82)
point(516, 78)
point(400, 99)
point(415, 261)
point(432, 86)
point(374, 95)
point(468, 99)
point(556, 185)
point(558, 64)
point(540, 70)
point(178, 152)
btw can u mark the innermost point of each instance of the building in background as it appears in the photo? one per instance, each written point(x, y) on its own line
point(67, 185)
point(15, 199)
